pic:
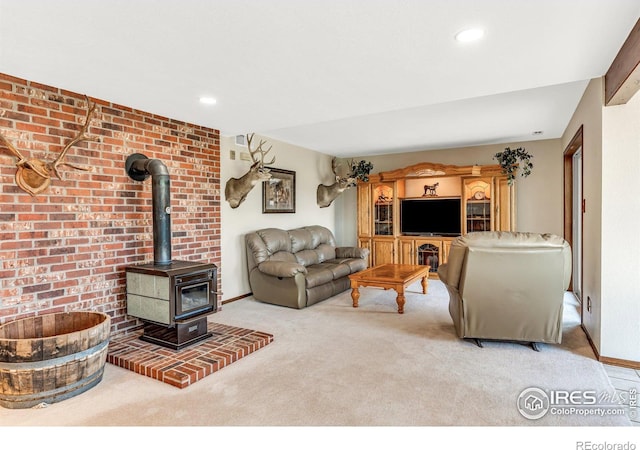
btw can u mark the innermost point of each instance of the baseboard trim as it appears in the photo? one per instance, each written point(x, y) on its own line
point(239, 297)
point(591, 344)
point(610, 361)
point(620, 362)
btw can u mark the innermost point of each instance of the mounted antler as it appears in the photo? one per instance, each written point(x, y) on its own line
point(82, 136)
point(34, 175)
point(259, 150)
point(236, 189)
point(325, 195)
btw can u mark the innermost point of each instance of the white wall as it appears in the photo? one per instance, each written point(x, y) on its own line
point(538, 197)
point(611, 258)
point(588, 114)
point(620, 237)
point(312, 168)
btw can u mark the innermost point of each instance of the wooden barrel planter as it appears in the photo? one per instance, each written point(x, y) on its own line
point(50, 358)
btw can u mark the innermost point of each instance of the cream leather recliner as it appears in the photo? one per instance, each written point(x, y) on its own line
point(507, 286)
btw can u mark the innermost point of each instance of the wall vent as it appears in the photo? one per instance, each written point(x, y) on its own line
point(241, 140)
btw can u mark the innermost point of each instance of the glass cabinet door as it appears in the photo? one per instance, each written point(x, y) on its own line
point(477, 204)
point(383, 210)
point(429, 253)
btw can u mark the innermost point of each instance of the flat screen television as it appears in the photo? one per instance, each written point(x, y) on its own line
point(430, 217)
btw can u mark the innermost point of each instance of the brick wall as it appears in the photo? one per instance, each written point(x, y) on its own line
point(66, 248)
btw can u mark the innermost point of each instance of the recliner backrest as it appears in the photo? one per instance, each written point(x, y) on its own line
point(503, 241)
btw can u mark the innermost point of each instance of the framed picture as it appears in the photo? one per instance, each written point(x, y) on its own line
point(279, 192)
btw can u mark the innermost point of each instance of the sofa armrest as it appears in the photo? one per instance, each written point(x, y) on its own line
point(352, 252)
point(281, 269)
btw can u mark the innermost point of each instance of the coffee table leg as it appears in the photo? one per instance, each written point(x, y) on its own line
point(400, 300)
point(425, 285)
point(355, 295)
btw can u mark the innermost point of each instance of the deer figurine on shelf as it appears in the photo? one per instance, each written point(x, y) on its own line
point(34, 175)
point(325, 195)
point(236, 189)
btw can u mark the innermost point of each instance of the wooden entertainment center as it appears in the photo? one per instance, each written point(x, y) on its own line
point(487, 203)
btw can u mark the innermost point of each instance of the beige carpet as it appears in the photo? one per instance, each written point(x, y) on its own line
point(332, 364)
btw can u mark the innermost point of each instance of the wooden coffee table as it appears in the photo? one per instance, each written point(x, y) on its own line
point(389, 276)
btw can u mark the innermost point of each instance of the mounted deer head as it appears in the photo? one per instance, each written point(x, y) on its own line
point(327, 194)
point(34, 175)
point(236, 189)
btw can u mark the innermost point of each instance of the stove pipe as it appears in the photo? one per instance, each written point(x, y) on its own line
point(139, 167)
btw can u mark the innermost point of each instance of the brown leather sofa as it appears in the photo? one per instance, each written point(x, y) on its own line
point(507, 286)
point(300, 267)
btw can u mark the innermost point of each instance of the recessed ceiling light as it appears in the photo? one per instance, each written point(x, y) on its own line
point(208, 100)
point(472, 34)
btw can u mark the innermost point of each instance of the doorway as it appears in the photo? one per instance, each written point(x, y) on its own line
point(574, 208)
point(576, 232)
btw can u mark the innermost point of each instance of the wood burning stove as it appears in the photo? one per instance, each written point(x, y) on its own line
point(172, 298)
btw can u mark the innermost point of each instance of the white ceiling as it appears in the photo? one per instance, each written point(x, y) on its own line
point(347, 78)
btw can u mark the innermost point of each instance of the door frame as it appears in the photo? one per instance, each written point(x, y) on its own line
point(577, 142)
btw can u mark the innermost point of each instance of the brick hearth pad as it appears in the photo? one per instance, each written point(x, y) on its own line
point(184, 367)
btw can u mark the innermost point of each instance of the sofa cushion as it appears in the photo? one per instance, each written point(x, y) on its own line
point(281, 269)
point(355, 265)
point(307, 257)
point(352, 252)
point(325, 252)
point(301, 239)
point(318, 274)
point(321, 235)
point(339, 270)
point(275, 240)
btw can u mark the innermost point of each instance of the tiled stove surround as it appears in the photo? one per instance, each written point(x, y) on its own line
point(66, 248)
